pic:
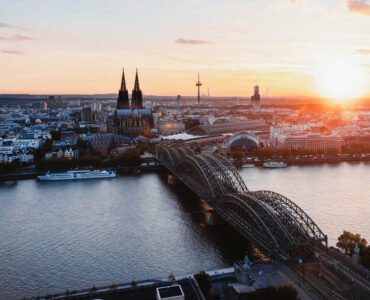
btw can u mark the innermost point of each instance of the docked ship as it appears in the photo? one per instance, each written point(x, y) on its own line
point(248, 165)
point(77, 175)
point(272, 164)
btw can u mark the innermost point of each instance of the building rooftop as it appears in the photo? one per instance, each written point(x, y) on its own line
point(145, 290)
point(170, 291)
point(134, 113)
point(228, 127)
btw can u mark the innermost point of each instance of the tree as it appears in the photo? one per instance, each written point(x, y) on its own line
point(141, 147)
point(348, 240)
point(171, 277)
point(81, 144)
point(56, 135)
point(113, 287)
point(197, 150)
point(68, 293)
point(238, 155)
point(40, 152)
point(286, 292)
point(133, 283)
point(332, 151)
point(204, 282)
point(365, 257)
point(93, 289)
point(129, 158)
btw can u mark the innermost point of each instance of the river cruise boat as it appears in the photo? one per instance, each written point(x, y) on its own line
point(248, 165)
point(77, 175)
point(272, 164)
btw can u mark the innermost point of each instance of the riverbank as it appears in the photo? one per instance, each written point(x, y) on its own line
point(32, 173)
point(292, 161)
point(223, 281)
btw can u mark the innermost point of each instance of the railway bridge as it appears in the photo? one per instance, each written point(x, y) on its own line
point(270, 221)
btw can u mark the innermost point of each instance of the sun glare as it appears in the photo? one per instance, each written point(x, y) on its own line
point(341, 79)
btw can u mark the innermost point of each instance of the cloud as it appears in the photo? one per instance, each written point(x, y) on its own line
point(6, 25)
point(13, 52)
point(363, 51)
point(16, 38)
point(193, 42)
point(359, 7)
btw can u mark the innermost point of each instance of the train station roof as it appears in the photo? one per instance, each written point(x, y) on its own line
point(230, 127)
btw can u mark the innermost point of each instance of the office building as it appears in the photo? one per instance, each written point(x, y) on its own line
point(256, 98)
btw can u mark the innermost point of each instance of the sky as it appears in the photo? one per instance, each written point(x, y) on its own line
point(285, 46)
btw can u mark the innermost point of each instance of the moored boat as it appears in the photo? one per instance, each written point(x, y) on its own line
point(248, 165)
point(272, 164)
point(77, 175)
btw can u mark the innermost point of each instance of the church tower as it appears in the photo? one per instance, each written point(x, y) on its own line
point(137, 97)
point(122, 101)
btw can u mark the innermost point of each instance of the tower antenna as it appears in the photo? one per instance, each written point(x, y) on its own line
point(198, 84)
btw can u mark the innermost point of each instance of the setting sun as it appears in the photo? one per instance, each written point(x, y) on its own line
point(341, 79)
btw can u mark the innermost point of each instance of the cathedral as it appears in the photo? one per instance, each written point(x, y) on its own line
point(132, 119)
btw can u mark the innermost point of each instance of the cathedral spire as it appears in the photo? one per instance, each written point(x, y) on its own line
point(136, 87)
point(123, 82)
point(122, 100)
point(137, 97)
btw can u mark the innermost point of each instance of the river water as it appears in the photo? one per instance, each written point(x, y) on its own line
point(59, 235)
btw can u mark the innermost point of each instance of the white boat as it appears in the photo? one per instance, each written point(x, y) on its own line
point(272, 164)
point(248, 165)
point(77, 175)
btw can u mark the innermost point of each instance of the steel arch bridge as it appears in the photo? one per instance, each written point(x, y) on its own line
point(272, 222)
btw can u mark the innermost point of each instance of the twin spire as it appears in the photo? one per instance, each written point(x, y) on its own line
point(123, 81)
point(136, 99)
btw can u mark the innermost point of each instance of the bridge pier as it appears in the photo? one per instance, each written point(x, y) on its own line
point(171, 179)
point(212, 218)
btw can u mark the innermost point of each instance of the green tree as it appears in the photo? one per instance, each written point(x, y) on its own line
point(348, 240)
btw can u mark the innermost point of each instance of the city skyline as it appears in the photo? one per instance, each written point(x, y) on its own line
point(78, 47)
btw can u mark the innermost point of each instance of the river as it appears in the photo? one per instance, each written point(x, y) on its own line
point(59, 235)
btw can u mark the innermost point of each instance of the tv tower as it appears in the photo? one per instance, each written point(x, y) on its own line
point(198, 84)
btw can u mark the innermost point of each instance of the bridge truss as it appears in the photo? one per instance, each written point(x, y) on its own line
point(272, 222)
